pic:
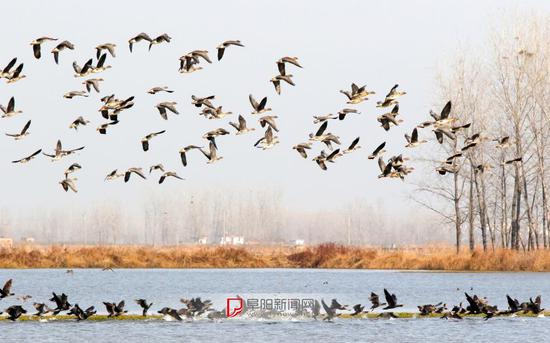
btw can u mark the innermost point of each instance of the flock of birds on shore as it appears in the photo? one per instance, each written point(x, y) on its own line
point(444, 125)
point(197, 308)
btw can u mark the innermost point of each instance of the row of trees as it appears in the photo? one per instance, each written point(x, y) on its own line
point(503, 90)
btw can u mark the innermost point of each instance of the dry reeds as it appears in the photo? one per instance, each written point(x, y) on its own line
point(328, 255)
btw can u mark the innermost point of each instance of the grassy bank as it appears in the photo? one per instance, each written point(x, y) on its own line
point(319, 256)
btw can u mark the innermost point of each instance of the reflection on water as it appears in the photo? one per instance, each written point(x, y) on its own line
point(166, 287)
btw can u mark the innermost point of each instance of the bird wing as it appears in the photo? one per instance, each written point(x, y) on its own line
point(253, 102)
point(321, 129)
point(26, 127)
point(446, 111)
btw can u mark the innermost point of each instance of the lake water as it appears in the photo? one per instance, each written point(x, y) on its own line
point(166, 287)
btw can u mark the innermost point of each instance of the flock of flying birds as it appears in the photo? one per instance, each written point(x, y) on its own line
point(196, 308)
point(443, 125)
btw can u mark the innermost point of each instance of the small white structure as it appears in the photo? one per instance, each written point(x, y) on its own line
point(203, 240)
point(232, 240)
point(27, 239)
point(297, 242)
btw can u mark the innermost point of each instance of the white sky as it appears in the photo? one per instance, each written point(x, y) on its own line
point(377, 43)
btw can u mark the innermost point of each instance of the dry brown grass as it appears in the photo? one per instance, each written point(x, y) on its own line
point(327, 255)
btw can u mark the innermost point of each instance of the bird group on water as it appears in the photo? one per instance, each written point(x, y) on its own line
point(444, 125)
point(196, 308)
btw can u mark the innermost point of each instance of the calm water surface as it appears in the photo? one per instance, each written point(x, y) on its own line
point(166, 287)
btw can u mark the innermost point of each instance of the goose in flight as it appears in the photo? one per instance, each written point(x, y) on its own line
point(276, 80)
point(502, 143)
point(221, 48)
point(211, 135)
point(6, 290)
point(394, 93)
point(241, 126)
point(59, 153)
point(440, 133)
point(22, 134)
point(268, 141)
point(156, 90)
point(114, 309)
point(77, 122)
point(412, 140)
point(42, 309)
point(82, 314)
point(324, 118)
point(138, 38)
point(375, 301)
point(102, 129)
point(270, 121)
point(183, 153)
point(72, 94)
point(391, 299)
point(455, 129)
point(385, 169)
point(259, 107)
point(85, 70)
point(205, 101)
point(107, 46)
point(388, 119)
point(28, 158)
point(100, 66)
point(169, 174)
point(144, 305)
point(378, 151)
point(212, 154)
point(358, 309)
point(512, 161)
point(357, 94)
point(92, 83)
point(319, 135)
point(353, 146)
point(113, 175)
point(301, 148)
point(168, 105)
point(69, 183)
point(36, 44)
point(330, 312)
point(156, 167)
point(5, 73)
point(10, 110)
point(322, 158)
point(14, 312)
point(145, 140)
point(214, 113)
point(16, 75)
point(137, 171)
point(60, 47)
point(61, 301)
point(443, 120)
point(160, 39)
point(281, 64)
point(344, 112)
point(72, 168)
point(445, 168)
point(171, 313)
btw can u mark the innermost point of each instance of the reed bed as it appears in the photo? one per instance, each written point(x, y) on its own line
point(327, 255)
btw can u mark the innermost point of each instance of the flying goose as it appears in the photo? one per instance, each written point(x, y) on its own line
point(268, 140)
point(114, 309)
point(168, 105)
point(92, 83)
point(183, 153)
point(331, 312)
point(156, 167)
point(100, 66)
point(59, 153)
point(221, 48)
point(10, 110)
point(212, 155)
point(77, 122)
point(137, 171)
point(72, 168)
point(378, 151)
point(82, 314)
point(28, 158)
point(358, 309)
point(72, 94)
point(6, 290)
point(512, 161)
point(276, 80)
point(445, 168)
point(344, 112)
point(513, 304)
point(287, 59)
point(162, 38)
point(391, 299)
point(42, 309)
point(241, 126)
point(6, 71)
point(14, 312)
point(60, 47)
point(357, 94)
point(353, 146)
point(318, 136)
point(270, 121)
point(388, 119)
point(375, 301)
point(211, 135)
point(323, 118)
point(214, 113)
point(394, 93)
point(322, 158)
point(16, 75)
point(412, 140)
point(503, 142)
point(145, 140)
point(170, 312)
point(443, 120)
point(61, 301)
point(156, 90)
point(455, 129)
point(102, 129)
point(113, 175)
point(68, 183)
point(385, 169)
point(259, 107)
point(85, 70)
point(199, 102)
point(22, 134)
point(441, 132)
point(169, 174)
point(107, 46)
point(140, 37)
point(301, 148)
point(143, 304)
point(36, 45)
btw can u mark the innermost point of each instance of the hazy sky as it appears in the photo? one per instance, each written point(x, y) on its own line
point(377, 43)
